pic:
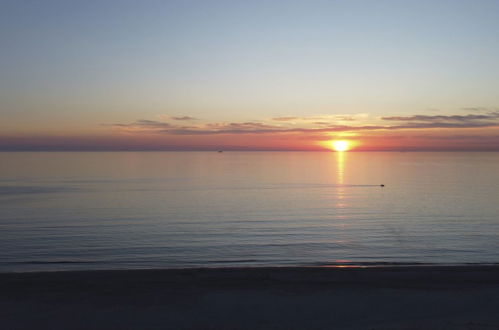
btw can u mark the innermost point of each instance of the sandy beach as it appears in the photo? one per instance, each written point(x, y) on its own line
point(450, 297)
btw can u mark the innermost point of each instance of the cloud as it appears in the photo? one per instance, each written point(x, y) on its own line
point(322, 118)
point(142, 123)
point(285, 118)
point(236, 129)
point(346, 118)
point(441, 118)
point(490, 119)
point(443, 125)
point(183, 118)
point(145, 134)
point(242, 126)
point(151, 123)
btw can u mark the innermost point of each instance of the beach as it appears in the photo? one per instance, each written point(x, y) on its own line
point(391, 297)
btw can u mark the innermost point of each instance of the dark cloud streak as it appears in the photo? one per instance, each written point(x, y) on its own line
point(183, 118)
point(442, 118)
point(414, 122)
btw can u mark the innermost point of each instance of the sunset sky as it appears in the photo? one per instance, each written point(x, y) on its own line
point(249, 75)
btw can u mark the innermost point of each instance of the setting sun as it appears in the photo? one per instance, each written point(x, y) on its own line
point(341, 145)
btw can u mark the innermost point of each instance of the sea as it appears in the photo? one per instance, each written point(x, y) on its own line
point(135, 210)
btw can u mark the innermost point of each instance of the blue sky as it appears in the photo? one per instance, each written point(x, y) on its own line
point(77, 66)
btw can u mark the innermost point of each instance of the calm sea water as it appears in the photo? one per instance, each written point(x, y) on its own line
point(61, 211)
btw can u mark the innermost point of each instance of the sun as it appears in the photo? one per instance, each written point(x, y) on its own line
point(341, 145)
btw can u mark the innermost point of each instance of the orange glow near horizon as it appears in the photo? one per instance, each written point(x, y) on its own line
point(208, 138)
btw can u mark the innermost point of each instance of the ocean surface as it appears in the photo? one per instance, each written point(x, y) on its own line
point(124, 210)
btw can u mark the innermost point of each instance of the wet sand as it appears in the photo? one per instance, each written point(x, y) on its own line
point(458, 297)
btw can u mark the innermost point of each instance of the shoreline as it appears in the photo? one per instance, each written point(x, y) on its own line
point(363, 265)
point(326, 269)
point(400, 297)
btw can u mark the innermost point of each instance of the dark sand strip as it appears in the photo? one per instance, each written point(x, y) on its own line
point(460, 297)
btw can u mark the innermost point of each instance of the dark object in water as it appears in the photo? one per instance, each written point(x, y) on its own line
point(381, 185)
point(220, 151)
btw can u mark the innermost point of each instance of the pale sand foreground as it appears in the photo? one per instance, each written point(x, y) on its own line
point(254, 298)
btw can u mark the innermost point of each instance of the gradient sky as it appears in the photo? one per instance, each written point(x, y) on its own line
point(249, 75)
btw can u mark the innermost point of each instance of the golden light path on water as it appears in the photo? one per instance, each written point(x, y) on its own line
point(341, 202)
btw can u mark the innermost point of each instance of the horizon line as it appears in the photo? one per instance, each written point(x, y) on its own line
point(56, 149)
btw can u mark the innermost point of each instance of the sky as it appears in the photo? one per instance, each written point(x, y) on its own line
point(249, 75)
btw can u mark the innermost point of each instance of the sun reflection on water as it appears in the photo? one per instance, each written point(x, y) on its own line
point(340, 180)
